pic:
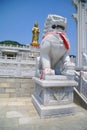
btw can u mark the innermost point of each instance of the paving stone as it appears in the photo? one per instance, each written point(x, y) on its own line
point(20, 114)
point(17, 113)
point(2, 90)
point(5, 95)
point(8, 122)
point(16, 103)
point(12, 99)
point(28, 120)
point(3, 112)
point(20, 128)
point(24, 99)
point(1, 128)
point(12, 114)
point(9, 90)
point(3, 103)
point(4, 85)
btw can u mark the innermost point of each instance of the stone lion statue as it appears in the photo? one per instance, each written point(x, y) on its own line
point(54, 49)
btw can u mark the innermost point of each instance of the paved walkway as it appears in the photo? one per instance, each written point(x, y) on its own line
point(20, 114)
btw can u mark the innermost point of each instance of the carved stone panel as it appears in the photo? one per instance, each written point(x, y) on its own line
point(54, 96)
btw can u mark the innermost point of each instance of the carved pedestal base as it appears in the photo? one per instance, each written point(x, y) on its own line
point(54, 97)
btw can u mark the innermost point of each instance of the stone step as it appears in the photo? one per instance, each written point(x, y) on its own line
point(7, 90)
point(4, 95)
point(9, 85)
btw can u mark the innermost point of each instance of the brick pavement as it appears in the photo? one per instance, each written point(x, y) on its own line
point(20, 114)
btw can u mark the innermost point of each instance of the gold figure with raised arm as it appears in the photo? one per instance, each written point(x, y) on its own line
point(35, 35)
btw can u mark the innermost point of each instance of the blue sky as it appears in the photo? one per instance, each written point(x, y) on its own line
point(17, 18)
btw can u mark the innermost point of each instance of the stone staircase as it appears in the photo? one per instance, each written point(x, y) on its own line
point(15, 87)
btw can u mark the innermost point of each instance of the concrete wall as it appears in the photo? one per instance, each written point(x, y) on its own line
point(16, 87)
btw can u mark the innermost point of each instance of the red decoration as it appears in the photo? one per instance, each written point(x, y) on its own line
point(62, 35)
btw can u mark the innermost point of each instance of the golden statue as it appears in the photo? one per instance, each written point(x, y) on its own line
point(35, 35)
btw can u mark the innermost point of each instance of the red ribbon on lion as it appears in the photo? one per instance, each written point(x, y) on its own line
point(63, 37)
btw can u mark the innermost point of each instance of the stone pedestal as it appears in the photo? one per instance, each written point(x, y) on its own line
point(54, 97)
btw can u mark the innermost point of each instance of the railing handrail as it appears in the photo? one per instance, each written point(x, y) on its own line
point(26, 47)
point(17, 60)
point(6, 57)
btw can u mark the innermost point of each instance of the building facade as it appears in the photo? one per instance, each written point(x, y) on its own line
point(18, 61)
point(81, 22)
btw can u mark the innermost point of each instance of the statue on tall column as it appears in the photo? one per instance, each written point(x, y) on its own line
point(35, 35)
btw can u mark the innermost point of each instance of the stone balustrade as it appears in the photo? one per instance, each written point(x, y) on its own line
point(18, 47)
point(4, 59)
point(17, 67)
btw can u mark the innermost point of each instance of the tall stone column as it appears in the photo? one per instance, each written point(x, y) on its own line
point(81, 20)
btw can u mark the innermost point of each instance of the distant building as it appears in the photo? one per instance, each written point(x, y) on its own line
point(81, 26)
point(18, 61)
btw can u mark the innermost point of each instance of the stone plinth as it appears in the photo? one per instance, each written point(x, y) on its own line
point(54, 97)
